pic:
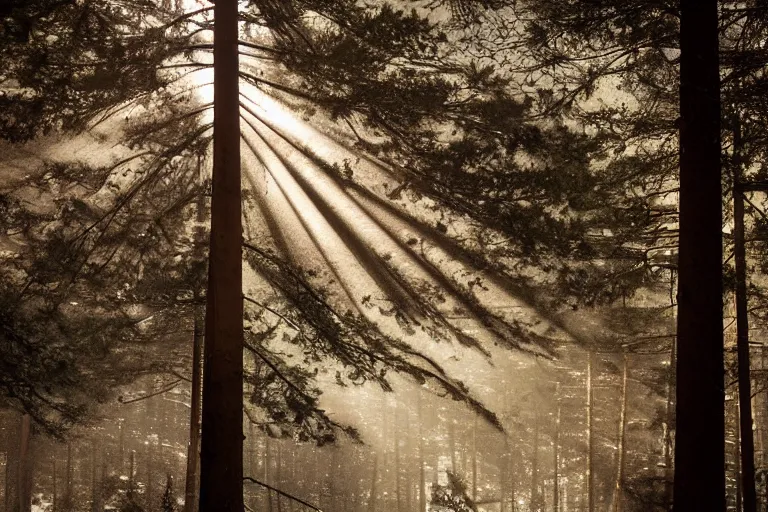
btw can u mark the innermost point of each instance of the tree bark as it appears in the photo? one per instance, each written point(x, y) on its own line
point(667, 432)
point(422, 475)
point(742, 331)
point(619, 484)
point(395, 432)
point(699, 441)
point(590, 480)
point(193, 449)
point(221, 452)
point(24, 492)
point(474, 459)
point(131, 475)
point(150, 488)
point(55, 501)
point(556, 455)
point(536, 497)
point(372, 497)
point(68, 480)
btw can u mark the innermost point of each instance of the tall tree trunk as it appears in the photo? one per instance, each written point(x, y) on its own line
point(590, 480)
point(395, 431)
point(121, 440)
point(699, 441)
point(422, 469)
point(193, 449)
point(503, 461)
point(536, 498)
point(97, 500)
point(68, 484)
point(132, 475)
point(474, 458)
point(24, 492)
point(452, 443)
point(55, 501)
point(618, 489)
point(556, 455)
point(737, 457)
point(150, 489)
point(267, 467)
point(374, 476)
point(10, 464)
point(667, 432)
point(221, 452)
point(742, 330)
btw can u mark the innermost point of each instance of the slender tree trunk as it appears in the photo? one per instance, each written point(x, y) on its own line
point(193, 449)
point(150, 501)
point(618, 489)
point(68, 484)
point(536, 504)
point(667, 432)
point(267, 467)
point(131, 475)
point(121, 438)
point(24, 492)
point(699, 455)
point(737, 457)
point(474, 459)
point(221, 452)
point(374, 477)
point(395, 431)
point(590, 480)
point(452, 443)
point(422, 469)
point(97, 504)
point(55, 501)
point(503, 461)
point(556, 455)
point(9, 477)
point(742, 331)
point(408, 463)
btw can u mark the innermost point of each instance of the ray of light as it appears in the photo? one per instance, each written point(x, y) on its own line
point(435, 266)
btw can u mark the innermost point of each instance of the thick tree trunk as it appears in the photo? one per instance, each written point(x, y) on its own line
point(618, 489)
point(742, 332)
point(699, 441)
point(193, 449)
point(221, 453)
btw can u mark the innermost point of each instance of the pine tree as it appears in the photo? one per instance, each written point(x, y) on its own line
point(169, 498)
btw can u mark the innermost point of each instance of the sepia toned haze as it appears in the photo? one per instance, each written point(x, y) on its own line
point(459, 228)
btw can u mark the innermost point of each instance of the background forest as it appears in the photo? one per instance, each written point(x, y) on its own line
point(424, 255)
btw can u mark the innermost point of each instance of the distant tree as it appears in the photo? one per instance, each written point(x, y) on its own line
point(169, 497)
point(452, 497)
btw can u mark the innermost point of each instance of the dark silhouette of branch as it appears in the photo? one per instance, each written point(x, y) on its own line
point(283, 493)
